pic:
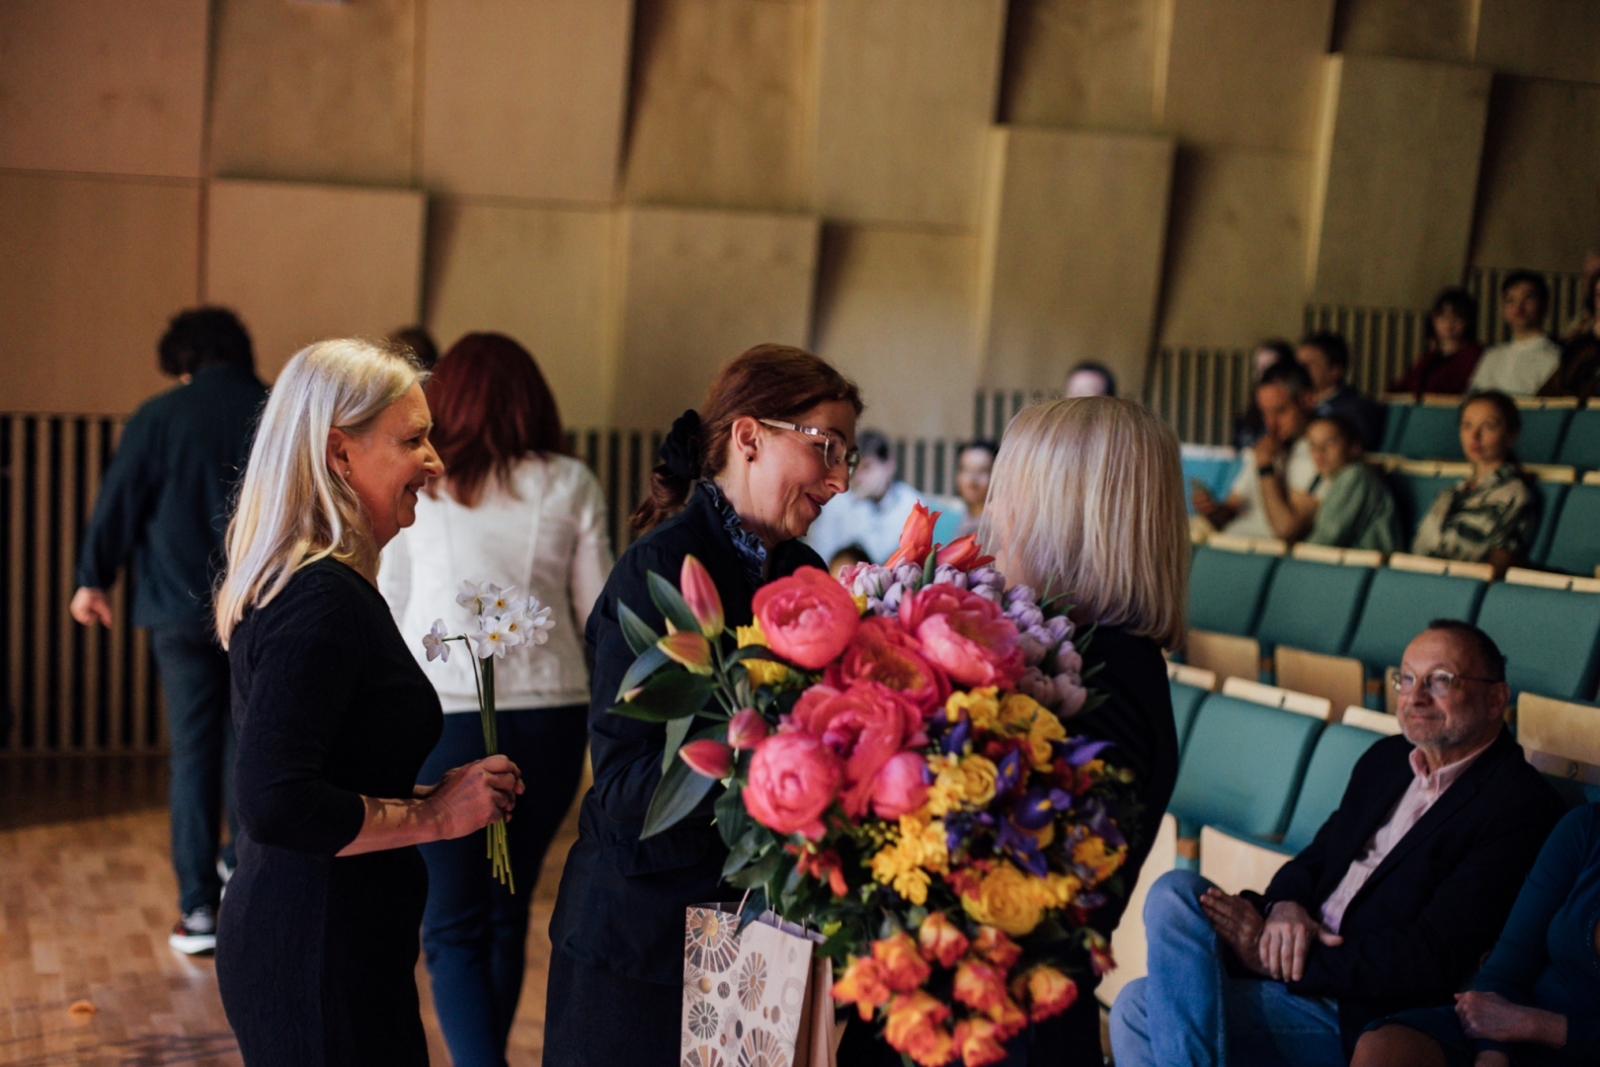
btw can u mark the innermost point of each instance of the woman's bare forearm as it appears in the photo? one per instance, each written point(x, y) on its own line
point(393, 823)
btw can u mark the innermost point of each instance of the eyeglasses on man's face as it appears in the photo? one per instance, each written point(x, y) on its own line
point(1438, 683)
point(835, 450)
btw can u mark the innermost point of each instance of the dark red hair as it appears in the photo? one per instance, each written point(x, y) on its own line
point(491, 407)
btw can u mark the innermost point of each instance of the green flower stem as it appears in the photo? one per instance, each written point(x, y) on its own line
point(499, 852)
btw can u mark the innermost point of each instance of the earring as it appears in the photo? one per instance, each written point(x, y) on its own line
point(751, 458)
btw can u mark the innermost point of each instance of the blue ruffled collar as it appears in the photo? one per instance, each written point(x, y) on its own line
point(752, 553)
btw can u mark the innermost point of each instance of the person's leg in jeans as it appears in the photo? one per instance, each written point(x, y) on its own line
point(194, 678)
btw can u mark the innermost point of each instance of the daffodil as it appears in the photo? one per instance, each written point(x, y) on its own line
point(494, 637)
point(433, 642)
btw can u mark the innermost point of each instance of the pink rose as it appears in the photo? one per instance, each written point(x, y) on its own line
point(966, 634)
point(808, 618)
point(899, 788)
point(883, 652)
point(864, 725)
point(793, 778)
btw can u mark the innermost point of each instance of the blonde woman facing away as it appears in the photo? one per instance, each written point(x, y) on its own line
point(317, 945)
point(1087, 500)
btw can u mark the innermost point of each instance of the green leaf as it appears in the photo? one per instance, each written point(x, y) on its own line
point(679, 793)
point(671, 604)
point(758, 873)
point(677, 732)
point(650, 660)
point(635, 630)
point(667, 696)
point(930, 565)
point(752, 652)
point(743, 852)
point(732, 819)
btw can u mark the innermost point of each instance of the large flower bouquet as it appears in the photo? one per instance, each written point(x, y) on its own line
point(897, 773)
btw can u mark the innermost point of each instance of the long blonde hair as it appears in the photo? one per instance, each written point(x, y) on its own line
point(1086, 499)
point(292, 509)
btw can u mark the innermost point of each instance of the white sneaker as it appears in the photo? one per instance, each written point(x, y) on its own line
point(224, 871)
point(196, 932)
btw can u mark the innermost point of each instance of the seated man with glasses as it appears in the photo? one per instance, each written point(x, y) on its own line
point(1391, 906)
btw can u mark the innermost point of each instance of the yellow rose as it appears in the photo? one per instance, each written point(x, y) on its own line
point(958, 781)
point(1006, 898)
point(980, 705)
point(759, 671)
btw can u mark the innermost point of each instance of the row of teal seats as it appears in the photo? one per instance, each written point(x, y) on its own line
point(1568, 538)
point(1551, 637)
point(1561, 436)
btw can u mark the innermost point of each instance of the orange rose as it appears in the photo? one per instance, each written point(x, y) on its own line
point(1009, 1020)
point(903, 968)
point(942, 940)
point(863, 985)
point(1049, 992)
point(916, 537)
point(993, 945)
point(915, 1026)
point(979, 985)
point(976, 1042)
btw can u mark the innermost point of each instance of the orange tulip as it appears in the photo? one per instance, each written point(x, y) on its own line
point(713, 759)
point(903, 968)
point(941, 940)
point(690, 649)
point(700, 593)
point(963, 554)
point(916, 537)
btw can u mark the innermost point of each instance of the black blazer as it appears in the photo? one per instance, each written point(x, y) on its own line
point(1422, 923)
point(622, 900)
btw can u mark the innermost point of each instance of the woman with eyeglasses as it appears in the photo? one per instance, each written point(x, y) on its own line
point(740, 481)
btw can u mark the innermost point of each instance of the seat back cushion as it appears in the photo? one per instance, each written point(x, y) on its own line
point(1581, 446)
point(1312, 606)
point(1327, 774)
point(1226, 589)
point(1242, 767)
point(1575, 543)
point(1400, 604)
point(1550, 637)
point(1186, 700)
point(1540, 439)
point(1431, 432)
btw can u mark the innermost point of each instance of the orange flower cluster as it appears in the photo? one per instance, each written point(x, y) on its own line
point(823, 865)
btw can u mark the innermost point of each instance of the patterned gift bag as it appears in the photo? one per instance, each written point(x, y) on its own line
point(757, 998)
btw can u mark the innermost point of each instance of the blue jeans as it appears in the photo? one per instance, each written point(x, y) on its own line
point(194, 679)
point(1189, 1012)
point(474, 931)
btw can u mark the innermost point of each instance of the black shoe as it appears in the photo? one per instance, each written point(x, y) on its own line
point(196, 932)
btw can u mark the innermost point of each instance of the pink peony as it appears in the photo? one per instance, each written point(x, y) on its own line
point(964, 633)
point(899, 788)
point(883, 652)
point(793, 778)
point(865, 725)
point(807, 618)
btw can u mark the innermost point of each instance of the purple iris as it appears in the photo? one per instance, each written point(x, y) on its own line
point(1022, 847)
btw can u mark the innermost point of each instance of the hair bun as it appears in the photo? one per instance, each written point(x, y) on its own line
point(680, 451)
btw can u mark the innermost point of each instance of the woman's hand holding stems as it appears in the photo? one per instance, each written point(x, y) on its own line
point(465, 800)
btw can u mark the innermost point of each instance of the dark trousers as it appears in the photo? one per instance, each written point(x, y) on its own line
point(475, 931)
point(594, 1018)
point(194, 677)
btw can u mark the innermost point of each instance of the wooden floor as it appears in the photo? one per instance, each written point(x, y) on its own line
point(87, 904)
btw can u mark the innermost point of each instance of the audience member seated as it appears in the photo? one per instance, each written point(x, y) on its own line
point(1247, 427)
point(1090, 379)
point(1391, 906)
point(1537, 1000)
point(973, 467)
point(1493, 514)
point(1272, 496)
point(1326, 358)
point(1357, 510)
point(1579, 373)
point(420, 341)
point(1522, 365)
point(848, 556)
point(871, 514)
point(1450, 348)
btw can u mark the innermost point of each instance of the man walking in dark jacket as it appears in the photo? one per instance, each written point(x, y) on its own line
point(164, 503)
point(1391, 906)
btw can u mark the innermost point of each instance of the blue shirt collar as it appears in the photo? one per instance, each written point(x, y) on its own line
point(752, 553)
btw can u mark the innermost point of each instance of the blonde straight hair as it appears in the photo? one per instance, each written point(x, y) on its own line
point(1086, 499)
point(292, 509)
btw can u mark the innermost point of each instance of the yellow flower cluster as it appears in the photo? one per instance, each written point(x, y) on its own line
point(981, 706)
point(1016, 715)
point(1014, 900)
point(960, 781)
point(759, 671)
point(1092, 853)
point(910, 856)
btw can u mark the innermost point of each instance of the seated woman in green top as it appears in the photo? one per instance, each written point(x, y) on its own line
point(1357, 510)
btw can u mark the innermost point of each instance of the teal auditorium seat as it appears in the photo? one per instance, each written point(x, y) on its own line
point(1312, 606)
point(1581, 446)
point(1414, 494)
point(1552, 498)
point(1226, 589)
point(1242, 767)
point(1186, 700)
point(1431, 432)
point(1542, 431)
point(1327, 775)
point(1574, 542)
point(1394, 424)
point(1550, 637)
point(1399, 605)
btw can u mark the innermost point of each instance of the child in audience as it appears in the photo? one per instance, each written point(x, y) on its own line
point(1450, 350)
point(1357, 510)
point(1522, 365)
point(1492, 515)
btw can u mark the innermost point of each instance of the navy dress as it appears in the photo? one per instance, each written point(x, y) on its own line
point(316, 953)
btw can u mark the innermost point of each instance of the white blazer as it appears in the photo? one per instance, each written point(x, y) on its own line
point(547, 537)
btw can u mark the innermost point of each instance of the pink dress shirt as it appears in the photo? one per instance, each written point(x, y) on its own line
point(1423, 792)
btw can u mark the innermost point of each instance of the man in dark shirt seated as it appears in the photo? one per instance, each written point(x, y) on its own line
point(1326, 358)
point(1391, 906)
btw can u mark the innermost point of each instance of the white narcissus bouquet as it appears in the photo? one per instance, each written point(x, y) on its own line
point(501, 621)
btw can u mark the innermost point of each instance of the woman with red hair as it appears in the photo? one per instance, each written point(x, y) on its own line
point(513, 510)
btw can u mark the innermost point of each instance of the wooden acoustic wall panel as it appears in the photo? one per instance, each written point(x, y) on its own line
point(1398, 174)
point(905, 98)
point(92, 270)
point(699, 288)
point(303, 263)
point(103, 86)
point(523, 98)
point(1541, 38)
point(723, 104)
point(1538, 192)
point(314, 91)
point(1236, 247)
point(1074, 241)
point(1084, 64)
point(1419, 29)
point(536, 274)
point(1246, 73)
point(897, 312)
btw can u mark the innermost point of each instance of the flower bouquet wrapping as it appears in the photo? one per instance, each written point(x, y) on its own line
point(898, 775)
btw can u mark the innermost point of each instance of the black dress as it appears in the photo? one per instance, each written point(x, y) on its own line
point(316, 954)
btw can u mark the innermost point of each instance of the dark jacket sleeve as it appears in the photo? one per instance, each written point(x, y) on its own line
point(122, 510)
point(1298, 880)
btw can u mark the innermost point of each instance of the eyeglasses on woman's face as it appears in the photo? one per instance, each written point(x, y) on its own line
point(835, 450)
point(1438, 683)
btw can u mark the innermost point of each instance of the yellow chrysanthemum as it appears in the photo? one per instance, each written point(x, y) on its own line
point(1092, 853)
point(979, 704)
point(914, 850)
point(760, 671)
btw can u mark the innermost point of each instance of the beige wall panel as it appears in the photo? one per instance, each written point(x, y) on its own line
point(1236, 247)
point(897, 312)
point(701, 287)
point(523, 98)
point(1541, 38)
point(906, 96)
point(1401, 171)
point(1420, 29)
point(1074, 249)
point(722, 108)
point(314, 91)
point(92, 270)
point(1246, 73)
point(1086, 64)
point(1539, 189)
point(303, 263)
point(103, 85)
point(536, 274)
